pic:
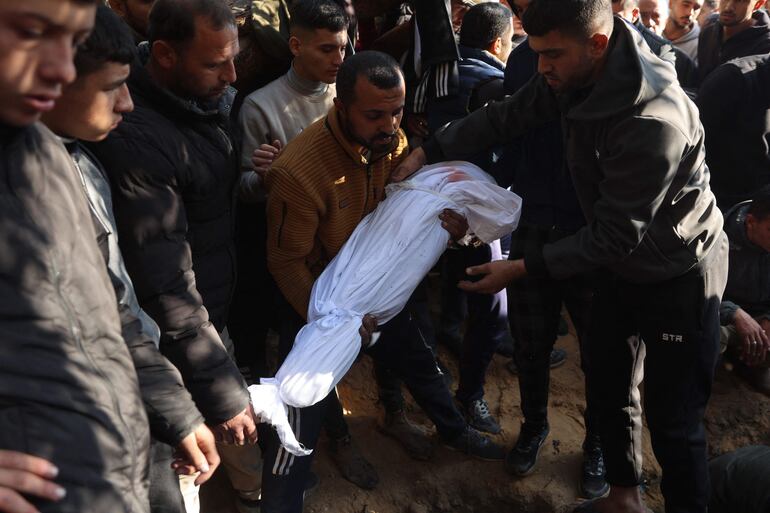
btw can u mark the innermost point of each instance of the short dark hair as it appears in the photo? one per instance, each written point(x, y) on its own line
point(760, 204)
point(174, 20)
point(380, 69)
point(109, 41)
point(484, 23)
point(579, 18)
point(318, 14)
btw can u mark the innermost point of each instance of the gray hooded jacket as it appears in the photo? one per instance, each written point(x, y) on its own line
point(634, 147)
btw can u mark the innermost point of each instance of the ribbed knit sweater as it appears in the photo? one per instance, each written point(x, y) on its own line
point(320, 187)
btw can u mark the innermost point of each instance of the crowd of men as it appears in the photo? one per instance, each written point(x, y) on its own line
point(157, 224)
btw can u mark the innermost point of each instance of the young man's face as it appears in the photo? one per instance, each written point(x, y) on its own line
point(318, 54)
point(38, 39)
point(204, 68)
point(758, 231)
point(136, 13)
point(567, 62)
point(737, 12)
point(683, 13)
point(93, 105)
point(372, 119)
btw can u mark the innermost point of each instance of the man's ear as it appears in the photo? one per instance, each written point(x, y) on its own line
point(119, 7)
point(294, 45)
point(164, 54)
point(597, 44)
point(634, 15)
point(759, 4)
point(496, 46)
point(339, 105)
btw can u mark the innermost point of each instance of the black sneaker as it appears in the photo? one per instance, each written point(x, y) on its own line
point(352, 464)
point(557, 359)
point(593, 483)
point(478, 416)
point(521, 460)
point(412, 437)
point(475, 444)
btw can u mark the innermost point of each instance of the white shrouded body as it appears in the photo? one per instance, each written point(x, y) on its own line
point(376, 272)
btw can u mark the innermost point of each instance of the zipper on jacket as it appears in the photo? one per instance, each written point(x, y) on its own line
point(368, 185)
point(76, 334)
point(284, 211)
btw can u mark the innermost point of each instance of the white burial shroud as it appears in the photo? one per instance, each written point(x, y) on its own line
point(375, 272)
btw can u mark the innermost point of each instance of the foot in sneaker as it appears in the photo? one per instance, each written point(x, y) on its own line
point(475, 444)
point(412, 437)
point(352, 464)
point(521, 460)
point(478, 416)
point(593, 483)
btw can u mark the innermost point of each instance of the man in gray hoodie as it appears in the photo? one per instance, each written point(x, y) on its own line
point(634, 149)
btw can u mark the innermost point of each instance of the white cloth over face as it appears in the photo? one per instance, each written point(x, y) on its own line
point(376, 272)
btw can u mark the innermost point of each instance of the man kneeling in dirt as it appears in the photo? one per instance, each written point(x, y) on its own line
point(745, 310)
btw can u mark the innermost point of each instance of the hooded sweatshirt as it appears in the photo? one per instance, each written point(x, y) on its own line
point(688, 43)
point(713, 51)
point(634, 148)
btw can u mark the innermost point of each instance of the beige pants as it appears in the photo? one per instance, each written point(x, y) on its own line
point(242, 463)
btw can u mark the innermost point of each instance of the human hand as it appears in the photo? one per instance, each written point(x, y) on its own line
point(414, 161)
point(22, 474)
point(263, 157)
point(367, 329)
point(197, 452)
point(496, 276)
point(455, 223)
point(239, 430)
point(416, 125)
point(754, 340)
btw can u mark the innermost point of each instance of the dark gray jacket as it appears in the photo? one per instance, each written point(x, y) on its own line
point(68, 388)
point(171, 410)
point(748, 281)
point(634, 146)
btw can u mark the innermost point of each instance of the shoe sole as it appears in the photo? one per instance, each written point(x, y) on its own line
point(584, 495)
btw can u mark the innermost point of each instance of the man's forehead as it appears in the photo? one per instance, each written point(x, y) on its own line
point(66, 15)
point(370, 97)
point(324, 36)
point(211, 41)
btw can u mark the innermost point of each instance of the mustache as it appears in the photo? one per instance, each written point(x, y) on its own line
point(384, 135)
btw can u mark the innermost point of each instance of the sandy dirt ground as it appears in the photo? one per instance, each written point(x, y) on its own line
point(451, 482)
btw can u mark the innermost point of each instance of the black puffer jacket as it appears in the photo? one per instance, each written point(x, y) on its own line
point(173, 169)
point(68, 388)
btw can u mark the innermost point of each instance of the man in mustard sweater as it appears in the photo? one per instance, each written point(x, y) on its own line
point(322, 185)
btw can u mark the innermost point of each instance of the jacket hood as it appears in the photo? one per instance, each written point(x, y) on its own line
point(632, 76)
point(141, 82)
point(480, 57)
point(692, 35)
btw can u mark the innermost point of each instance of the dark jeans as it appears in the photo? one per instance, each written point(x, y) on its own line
point(534, 310)
point(165, 495)
point(400, 348)
point(668, 333)
point(486, 326)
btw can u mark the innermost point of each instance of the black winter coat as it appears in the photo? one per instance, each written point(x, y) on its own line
point(173, 168)
point(68, 387)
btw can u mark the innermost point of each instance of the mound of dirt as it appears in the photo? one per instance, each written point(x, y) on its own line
point(453, 483)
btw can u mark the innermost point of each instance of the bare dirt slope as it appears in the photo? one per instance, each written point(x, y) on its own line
point(451, 482)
